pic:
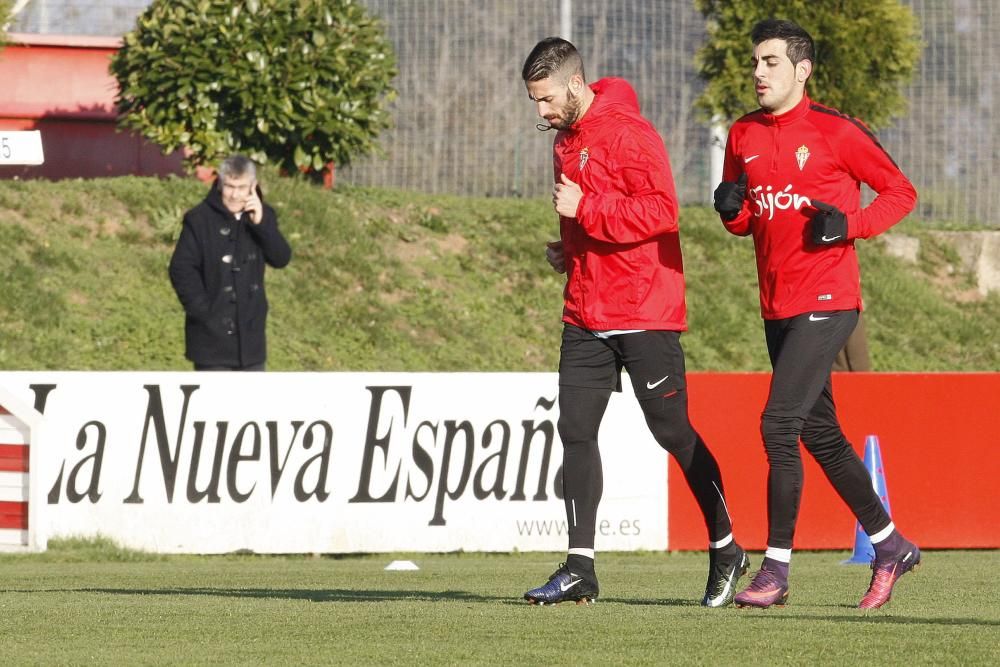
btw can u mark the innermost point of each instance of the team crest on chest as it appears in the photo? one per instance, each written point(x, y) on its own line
point(584, 156)
point(801, 155)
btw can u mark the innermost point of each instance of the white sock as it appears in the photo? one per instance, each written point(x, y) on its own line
point(780, 555)
point(882, 534)
point(725, 541)
point(586, 553)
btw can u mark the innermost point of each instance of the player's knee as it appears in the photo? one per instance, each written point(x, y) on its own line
point(575, 433)
point(670, 429)
point(780, 431)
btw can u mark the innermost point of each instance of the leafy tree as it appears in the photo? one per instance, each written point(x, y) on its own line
point(299, 83)
point(866, 52)
point(5, 17)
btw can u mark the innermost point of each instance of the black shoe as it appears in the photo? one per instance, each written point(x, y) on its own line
point(723, 573)
point(565, 586)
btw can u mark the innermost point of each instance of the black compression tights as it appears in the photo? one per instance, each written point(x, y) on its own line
point(580, 414)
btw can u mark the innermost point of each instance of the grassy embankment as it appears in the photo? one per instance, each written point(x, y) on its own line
point(392, 280)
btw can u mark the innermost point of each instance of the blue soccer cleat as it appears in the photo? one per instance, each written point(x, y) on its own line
point(564, 586)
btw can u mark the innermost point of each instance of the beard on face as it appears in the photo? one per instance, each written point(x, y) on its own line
point(570, 113)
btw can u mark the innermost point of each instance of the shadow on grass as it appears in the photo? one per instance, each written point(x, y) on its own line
point(854, 615)
point(850, 615)
point(347, 595)
point(318, 595)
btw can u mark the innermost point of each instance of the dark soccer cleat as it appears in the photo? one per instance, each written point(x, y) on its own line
point(564, 586)
point(767, 588)
point(722, 577)
point(886, 572)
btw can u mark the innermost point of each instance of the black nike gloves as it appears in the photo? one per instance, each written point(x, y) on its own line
point(829, 226)
point(729, 197)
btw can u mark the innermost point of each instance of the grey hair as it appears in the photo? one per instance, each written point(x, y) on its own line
point(236, 166)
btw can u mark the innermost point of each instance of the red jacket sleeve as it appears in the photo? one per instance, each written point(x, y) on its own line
point(866, 161)
point(643, 204)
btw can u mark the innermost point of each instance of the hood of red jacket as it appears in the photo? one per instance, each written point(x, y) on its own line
point(610, 95)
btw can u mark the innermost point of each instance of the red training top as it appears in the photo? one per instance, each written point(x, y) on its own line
point(623, 255)
point(810, 152)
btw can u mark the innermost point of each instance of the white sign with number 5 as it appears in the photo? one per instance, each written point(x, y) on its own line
point(21, 147)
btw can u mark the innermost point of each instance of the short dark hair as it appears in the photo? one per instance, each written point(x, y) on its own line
point(799, 42)
point(552, 55)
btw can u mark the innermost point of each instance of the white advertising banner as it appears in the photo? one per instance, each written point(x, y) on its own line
point(327, 462)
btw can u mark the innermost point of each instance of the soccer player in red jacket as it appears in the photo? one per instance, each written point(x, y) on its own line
point(624, 307)
point(791, 178)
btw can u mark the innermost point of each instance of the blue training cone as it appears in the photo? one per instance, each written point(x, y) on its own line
point(864, 552)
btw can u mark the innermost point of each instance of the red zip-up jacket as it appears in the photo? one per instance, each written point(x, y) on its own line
point(810, 152)
point(623, 255)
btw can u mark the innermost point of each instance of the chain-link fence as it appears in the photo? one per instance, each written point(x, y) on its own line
point(464, 124)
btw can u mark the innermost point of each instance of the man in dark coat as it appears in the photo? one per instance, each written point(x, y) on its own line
point(217, 270)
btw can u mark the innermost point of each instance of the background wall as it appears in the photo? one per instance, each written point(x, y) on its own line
point(61, 86)
point(939, 435)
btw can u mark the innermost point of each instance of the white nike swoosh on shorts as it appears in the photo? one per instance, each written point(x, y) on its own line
point(654, 385)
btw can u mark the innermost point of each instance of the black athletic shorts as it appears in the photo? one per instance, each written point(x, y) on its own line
point(654, 361)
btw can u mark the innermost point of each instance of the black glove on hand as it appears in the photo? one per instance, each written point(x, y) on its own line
point(729, 197)
point(829, 226)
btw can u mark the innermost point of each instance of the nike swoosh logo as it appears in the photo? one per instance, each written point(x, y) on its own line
point(760, 595)
point(830, 239)
point(566, 587)
point(813, 318)
point(748, 160)
point(654, 385)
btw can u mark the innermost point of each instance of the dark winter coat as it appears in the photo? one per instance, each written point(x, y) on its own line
point(217, 270)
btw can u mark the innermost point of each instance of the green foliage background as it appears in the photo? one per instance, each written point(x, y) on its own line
point(866, 52)
point(298, 83)
point(5, 7)
point(386, 280)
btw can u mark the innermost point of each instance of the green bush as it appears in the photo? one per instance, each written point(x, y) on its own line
point(298, 83)
point(866, 52)
point(5, 7)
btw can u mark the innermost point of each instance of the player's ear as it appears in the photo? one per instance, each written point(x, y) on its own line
point(804, 70)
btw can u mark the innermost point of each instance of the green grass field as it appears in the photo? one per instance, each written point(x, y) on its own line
point(87, 603)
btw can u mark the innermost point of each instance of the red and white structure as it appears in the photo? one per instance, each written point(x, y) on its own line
point(20, 501)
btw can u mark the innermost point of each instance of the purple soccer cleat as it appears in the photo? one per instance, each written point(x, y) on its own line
point(767, 589)
point(886, 572)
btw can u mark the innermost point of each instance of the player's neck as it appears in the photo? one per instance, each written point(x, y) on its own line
point(586, 101)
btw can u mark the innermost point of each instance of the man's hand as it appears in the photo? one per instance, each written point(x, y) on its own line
point(829, 225)
point(566, 197)
point(729, 197)
point(555, 256)
point(254, 207)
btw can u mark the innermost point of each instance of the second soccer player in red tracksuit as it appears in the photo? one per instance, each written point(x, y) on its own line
point(791, 180)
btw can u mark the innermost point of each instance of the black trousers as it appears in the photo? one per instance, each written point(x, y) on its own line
point(589, 371)
point(800, 405)
point(253, 367)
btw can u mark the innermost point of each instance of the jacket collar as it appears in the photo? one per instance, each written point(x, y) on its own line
point(797, 112)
